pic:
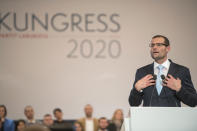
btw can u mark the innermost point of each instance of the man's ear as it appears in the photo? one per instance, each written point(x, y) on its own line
point(168, 48)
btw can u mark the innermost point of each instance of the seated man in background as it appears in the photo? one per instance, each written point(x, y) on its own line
point(60, 124)
point(88, 122)
point(20, 126)
point(47, 120)
point(29, 113)
point(103, 124)
point(58, 114)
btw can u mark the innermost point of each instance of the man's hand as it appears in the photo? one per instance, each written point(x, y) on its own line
point(144, 82)
point(172, 83)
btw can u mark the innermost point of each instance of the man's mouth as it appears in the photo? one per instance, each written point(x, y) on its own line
point(155, 52)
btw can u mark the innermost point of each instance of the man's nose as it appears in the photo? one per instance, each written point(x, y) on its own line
point(154, 47)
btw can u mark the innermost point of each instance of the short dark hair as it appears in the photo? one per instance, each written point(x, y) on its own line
point(20, 120)
point(56, 109)
point(5, 109)
point(47, 115)
point(102, 118)
point(166, 40)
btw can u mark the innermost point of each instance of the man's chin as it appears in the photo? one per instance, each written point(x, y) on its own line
point(156, 58)
point(89, 116)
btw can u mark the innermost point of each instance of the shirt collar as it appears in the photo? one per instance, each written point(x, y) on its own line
point(166, 64)
point(31, 121)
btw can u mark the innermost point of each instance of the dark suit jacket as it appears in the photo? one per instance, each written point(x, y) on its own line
point(167, 97)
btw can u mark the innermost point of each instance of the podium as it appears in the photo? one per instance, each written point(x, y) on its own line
point(161, 119)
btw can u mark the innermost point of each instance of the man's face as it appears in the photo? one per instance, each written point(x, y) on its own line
point(58, 115)
point(2, 112)
point(21, 126)
point(159, 53)
point(48, 121)
point(29, 112)
point(103, 123)
point(88, 111)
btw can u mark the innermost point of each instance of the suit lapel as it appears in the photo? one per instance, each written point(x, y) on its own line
point(171, 71)
point(172, 68)
point(150, 69)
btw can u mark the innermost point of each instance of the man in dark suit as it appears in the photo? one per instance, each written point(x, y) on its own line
point(170, 85)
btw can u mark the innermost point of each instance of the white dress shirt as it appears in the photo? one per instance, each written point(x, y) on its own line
point(165, 70)
point(89, 125)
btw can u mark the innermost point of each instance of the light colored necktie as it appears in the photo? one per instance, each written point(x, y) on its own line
point(159, 80)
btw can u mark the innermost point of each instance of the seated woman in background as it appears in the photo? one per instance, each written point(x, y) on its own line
point(78, 126)
point(20, 125)
point(5, 124)
point(117, 119)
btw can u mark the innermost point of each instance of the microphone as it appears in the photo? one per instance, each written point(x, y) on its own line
point(163, 78)
point(154, 78)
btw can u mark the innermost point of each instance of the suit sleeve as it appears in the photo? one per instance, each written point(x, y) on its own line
point(187, 94)
point(135, 98)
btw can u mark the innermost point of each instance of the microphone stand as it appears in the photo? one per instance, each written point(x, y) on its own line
point(154, 78)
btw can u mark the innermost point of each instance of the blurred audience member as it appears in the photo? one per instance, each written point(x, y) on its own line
point(36, 128)
point(5, 124)
point(47, 120)
point(103, 124)
point(59, 116)
point(29, 113)
point(60, 123)
point(117, 119)
point(88, 122)
point(78, 126)
point(20, 125)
